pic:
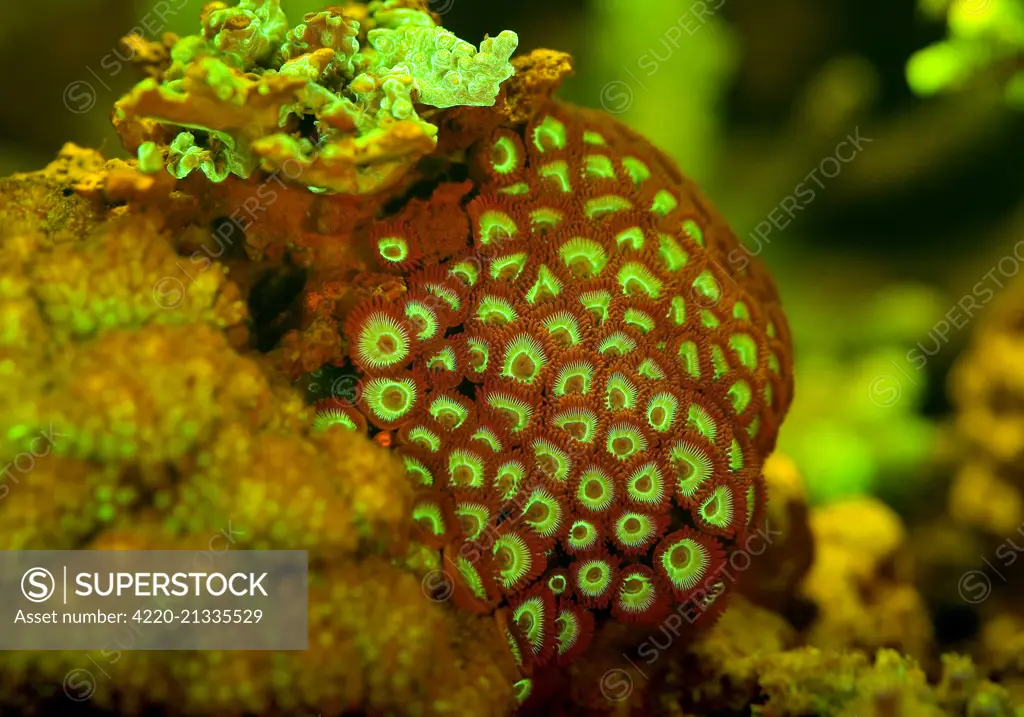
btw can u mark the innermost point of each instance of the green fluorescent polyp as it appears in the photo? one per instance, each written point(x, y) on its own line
point(700, 420)
point(545, 218)
point(488, 438)
point(479, 354)
point(513, 558)
point(582, 535)
point(446, 295)
point(689, 358)
point(596, 490)
point(471, 577)
point(591, 137)
point(632, 238)
point(549, 135)
point(649, 368)
point(586, 257)
point(465, 271)
point(524, 359)
point(600, 166)
point(554, 460)
point(557, 584)
point(636, 593)
point(608, 204)
point(664, 202)
point(646, 484)
point(692, 466)
point(515, 409)
point(677, 310)
point(523, 689)
point(624, 441)
point(529, 616)
point(580, 423)
point(475, 514)
point(718, 361)
point(559, 171)
point(618, 344)
point(508, 477)
point(495, 311)
point(674, 256)
point(543, 513)
point(443, 360)
point(547, 286)
point(390, 399)
point(509, 266)
point(636, 170)
point(465, 469)
point(333, 417)
point(430, 516)
point(448, 412)
point(594, 578)
point(636, 278)
point(692, 229)
point(639, 320)
point(597, 303)
point(575, 377)
point(516, 189)
point(717, 510)
point(746, 347)
point(740, 395)
point(564, 327)
point(633, 529)
point(496, 226)
point(505, 155)
point(568, 631)
point(417, 470)
point(707, 285)
point(661, 411)
point(735, 456)
point(393, 249)
point(685, 563)
point(424, 318)
point(620, 393)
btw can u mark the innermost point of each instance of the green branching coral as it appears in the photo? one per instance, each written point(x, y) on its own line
point(984, 36)
point(330, 103)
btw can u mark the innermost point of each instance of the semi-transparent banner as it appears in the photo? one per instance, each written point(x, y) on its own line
point(153, 599)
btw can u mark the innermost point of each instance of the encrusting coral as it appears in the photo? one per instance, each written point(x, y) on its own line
point(331, 102)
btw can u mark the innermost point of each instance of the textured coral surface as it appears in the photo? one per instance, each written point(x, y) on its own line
point(584, 393)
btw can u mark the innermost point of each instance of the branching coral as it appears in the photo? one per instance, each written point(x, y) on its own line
point(331, 102)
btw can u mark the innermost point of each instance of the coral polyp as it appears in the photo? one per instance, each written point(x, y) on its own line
point(590, 386)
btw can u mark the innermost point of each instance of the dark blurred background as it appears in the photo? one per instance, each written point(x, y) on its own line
point(870, 151)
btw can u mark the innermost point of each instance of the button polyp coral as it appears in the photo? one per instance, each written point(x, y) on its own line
point(584, 389)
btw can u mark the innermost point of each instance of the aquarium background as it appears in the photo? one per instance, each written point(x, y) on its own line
point(871, 152)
